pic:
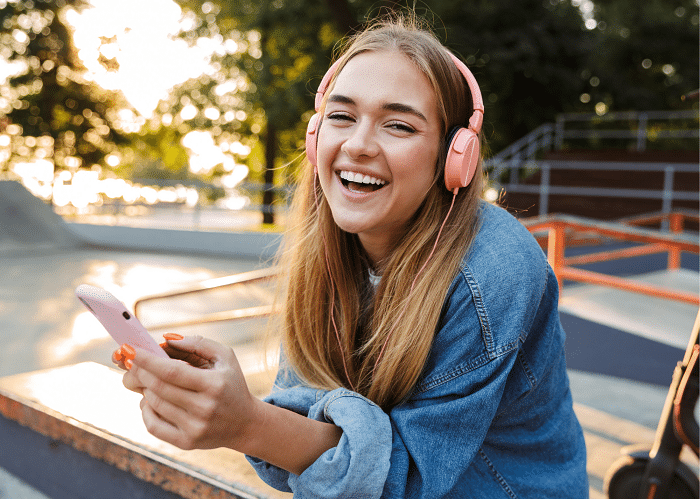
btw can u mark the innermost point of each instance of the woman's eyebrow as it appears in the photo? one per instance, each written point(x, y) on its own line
point(404, 108)
point(389, 106)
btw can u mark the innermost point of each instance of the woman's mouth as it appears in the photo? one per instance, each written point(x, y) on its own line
point(357, 182)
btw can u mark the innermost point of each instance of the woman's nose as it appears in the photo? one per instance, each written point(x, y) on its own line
point(362, 141)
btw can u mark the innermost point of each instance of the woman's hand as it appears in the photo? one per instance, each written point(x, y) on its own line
point(199, 399)
point(196, 399)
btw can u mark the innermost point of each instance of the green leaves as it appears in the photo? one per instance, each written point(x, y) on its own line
point(47, 95)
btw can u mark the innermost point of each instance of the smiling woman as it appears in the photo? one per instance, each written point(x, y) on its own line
point(422, 353)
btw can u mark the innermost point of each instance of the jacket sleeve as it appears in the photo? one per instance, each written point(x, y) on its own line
point(357, 467)
point(426, 443)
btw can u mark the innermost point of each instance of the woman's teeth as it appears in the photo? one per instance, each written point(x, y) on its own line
point(359, 182)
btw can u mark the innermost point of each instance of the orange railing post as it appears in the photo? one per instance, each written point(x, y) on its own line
point(555, 251)
point(676, 227)
point(562, 230)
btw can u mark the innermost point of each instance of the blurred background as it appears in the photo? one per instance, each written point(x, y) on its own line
point(131, 108)
point(126, 124)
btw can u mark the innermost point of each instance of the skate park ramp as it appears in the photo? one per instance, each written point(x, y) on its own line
point(27, 221)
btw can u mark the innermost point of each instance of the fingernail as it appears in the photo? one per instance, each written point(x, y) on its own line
point(128, 351)
point(117, 356)
point(173, 336)
point(128, 364)
point(163, 345)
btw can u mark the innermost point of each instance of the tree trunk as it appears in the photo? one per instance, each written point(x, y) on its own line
point(269, 193)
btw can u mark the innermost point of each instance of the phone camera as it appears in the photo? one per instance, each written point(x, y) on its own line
point(126, 315)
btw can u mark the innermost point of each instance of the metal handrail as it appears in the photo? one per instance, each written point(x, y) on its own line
point(242, 279)
point(640, 134)
point(559, 229)
point(552, 135)
point(667, 193)
point(555, 232)
point(228, 315)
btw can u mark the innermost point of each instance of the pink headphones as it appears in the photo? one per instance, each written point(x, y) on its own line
point(463, 150)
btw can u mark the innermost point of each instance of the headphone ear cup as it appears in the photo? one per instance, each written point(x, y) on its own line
point(462, 159)
point(311, 137)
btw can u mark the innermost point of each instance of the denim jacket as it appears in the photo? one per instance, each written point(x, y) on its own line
point(491, 415)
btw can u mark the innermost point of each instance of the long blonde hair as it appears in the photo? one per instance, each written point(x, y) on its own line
point(316, 249)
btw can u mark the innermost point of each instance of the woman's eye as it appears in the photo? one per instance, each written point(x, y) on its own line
point(339, 117)
point(402, 127)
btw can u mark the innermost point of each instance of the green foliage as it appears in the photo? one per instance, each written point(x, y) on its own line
point(526, 55)
point(533, 58)
point(646, 57)
point(155, 153)
point(288, 44)
point(49, 98)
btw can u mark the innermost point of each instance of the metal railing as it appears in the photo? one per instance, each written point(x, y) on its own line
point(556, 232)
point(243, 279)
point(667, 194)
point(635, 127)
point(637, 130)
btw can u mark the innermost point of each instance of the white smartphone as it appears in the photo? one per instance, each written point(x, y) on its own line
point(119, 322)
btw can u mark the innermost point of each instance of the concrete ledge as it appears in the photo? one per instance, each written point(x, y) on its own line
point(75, 431)
point(236, 244)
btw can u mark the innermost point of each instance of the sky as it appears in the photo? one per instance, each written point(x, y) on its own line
point(141, 37)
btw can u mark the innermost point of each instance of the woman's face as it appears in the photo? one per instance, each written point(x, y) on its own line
point(377, 147)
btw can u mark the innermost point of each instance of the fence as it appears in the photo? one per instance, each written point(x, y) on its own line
point(667, 194)
point(635, 129)
point(557, 232)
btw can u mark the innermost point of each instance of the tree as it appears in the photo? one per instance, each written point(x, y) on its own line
point(213, 104)
point(287, 44)
point(527, 57)
point(528, 62)
point(47, 103)
point(533, 59)
point(646, 54)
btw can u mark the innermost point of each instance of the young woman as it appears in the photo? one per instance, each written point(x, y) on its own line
point(422, 350)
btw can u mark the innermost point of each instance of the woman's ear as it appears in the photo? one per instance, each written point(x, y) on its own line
point(312, 138)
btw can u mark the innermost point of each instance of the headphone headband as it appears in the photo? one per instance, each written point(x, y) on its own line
point(477, 117)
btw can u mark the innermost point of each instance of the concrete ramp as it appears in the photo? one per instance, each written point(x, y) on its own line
point(27, 221)
point(657, 319)
point(628, 335)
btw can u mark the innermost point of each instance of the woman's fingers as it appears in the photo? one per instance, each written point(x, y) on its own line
point(167, 371)
point(206, 352)
point(132, 382)
point(164, 390)
point(186, 427)
point(160, 427)
point(192, 407)
point(118, 358)
point(165, 409)
point(123, 356)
